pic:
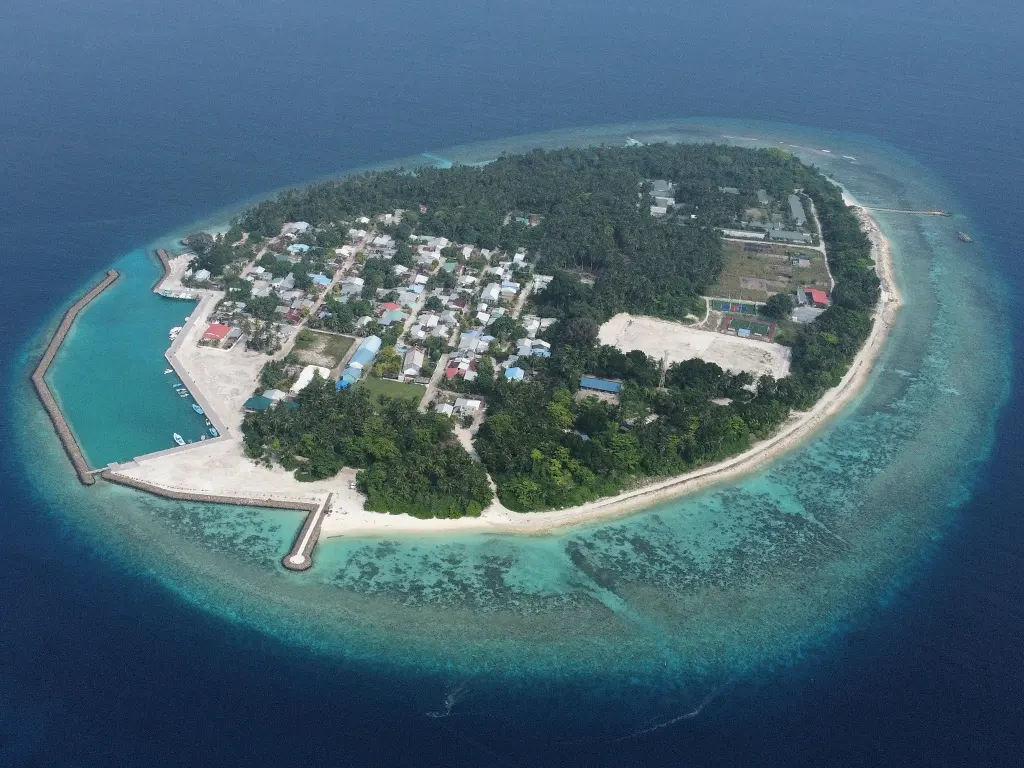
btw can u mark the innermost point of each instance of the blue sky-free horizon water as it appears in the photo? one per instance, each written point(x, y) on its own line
point(126, 640)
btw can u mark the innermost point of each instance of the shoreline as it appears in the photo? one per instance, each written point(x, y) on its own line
point(217, 471)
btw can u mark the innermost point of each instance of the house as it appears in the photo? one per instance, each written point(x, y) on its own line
point(352, 286)
point(796, 210)
point(444, 409)
point(664, 202)
point(467, 406)
point(658, 210)
point(490, 293)
point(201, 276)
point(483, 318)
point(257, 403)
point(392, 316)
point(515, 374)
point(729, 190)
point(595, 384)
point(286, 283)
point(297, 248)
point(275, 395)
point(295, 227)
point(216, 332)
point(661, 187)
point(306, 376)
point(762, 197)
point(789, 236)
point(413, 362)
point(817, 297)
point(322, 280)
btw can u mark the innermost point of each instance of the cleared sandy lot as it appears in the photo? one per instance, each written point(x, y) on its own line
point(660, 338)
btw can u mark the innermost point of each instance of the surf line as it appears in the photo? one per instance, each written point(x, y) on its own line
point(60, 424)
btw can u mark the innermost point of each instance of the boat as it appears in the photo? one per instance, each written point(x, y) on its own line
point(197, 408)
point(182, 393)
point(202, 437)
point(169, 370)
point(213, 431)
point(964, 237)
point(179, 439)
point(174, 332)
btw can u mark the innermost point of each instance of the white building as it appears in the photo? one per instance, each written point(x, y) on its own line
point(306, 376)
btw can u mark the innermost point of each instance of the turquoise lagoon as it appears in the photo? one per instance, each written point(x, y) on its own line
point(688, 595)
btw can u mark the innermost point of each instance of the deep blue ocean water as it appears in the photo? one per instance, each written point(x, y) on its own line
point(127, 121)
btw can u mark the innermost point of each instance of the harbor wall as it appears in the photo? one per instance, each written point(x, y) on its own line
point(85, 474)
point(269, 502)
point(165, 262)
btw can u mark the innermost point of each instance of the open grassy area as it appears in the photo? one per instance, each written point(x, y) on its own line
point(391, 388)
point(326, 349)
point(754, 275)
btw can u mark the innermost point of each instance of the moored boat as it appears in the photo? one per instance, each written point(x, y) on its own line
point(197, 408)
point(169, 370)
point(179, 439)
point(213, 431)
point(964, 237)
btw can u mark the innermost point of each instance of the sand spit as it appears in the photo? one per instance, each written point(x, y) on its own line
point(219, 471)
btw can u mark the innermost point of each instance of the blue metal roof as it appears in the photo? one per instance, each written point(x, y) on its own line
point(601, 385)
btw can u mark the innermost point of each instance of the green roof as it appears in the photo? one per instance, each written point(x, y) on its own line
point(258, 403)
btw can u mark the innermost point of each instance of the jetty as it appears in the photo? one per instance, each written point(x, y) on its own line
point(86, 475)
point(301, 556)
point(927, 212)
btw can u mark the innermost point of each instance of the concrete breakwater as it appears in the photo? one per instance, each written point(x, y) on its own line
point(60, 424)
point(112, 476)
point(165, 262)
point(299, 558)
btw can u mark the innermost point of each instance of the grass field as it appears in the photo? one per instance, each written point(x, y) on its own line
point(755, 275)
point(326, 349)
point(391, 388)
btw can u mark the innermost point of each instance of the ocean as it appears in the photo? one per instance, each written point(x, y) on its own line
point(856, 603)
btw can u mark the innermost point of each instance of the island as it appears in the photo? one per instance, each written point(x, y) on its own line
point(547, 338)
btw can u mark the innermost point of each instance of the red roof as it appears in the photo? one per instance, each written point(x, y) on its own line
point(451, 373)
point(388, 307)
point(217, 331)
point(816, 296)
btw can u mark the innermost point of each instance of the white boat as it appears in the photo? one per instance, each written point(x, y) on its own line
point(169, 370)
point(174, 332)
point(179, 439)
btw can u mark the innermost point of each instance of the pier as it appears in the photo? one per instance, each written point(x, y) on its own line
point(85, 474)
point(301, 556)
point(929, 212)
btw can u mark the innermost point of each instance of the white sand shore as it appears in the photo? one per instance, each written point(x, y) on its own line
point(220, 469)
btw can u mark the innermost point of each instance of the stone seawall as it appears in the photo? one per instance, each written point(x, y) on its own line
point(60, 424)
point(165, 262)
point(240, 501)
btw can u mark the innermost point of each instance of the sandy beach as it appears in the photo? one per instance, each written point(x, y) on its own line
point(220, 469)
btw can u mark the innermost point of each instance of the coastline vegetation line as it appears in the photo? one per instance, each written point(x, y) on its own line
point(60, 424)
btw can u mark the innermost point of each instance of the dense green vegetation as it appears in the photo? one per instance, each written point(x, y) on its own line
point(544, 445)
point(409, 461)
